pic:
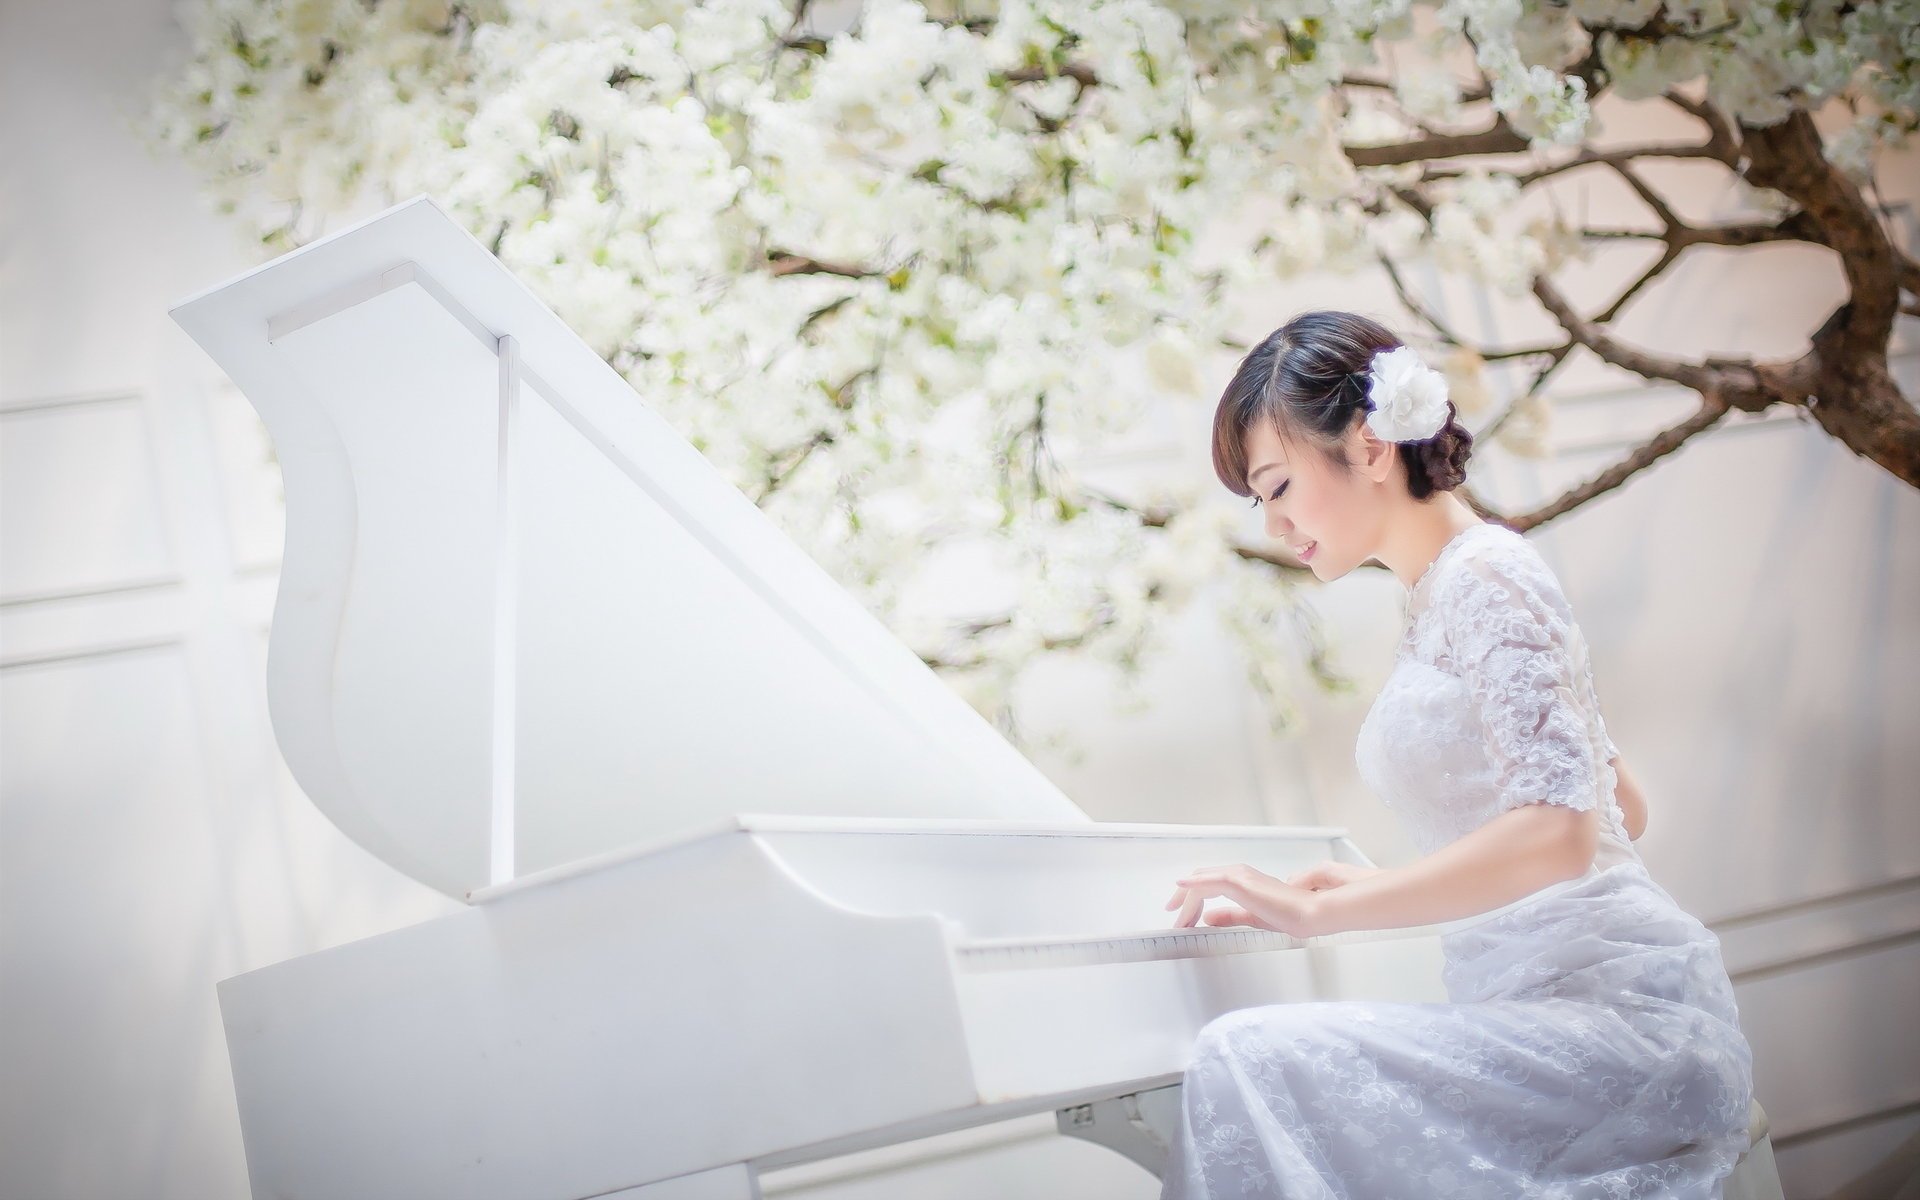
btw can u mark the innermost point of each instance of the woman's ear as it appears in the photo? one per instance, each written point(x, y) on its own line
point(1373, 455)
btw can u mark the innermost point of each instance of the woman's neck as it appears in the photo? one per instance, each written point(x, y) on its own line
point(1416, 539)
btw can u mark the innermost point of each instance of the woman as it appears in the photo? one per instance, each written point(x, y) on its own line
point(1590, 1046)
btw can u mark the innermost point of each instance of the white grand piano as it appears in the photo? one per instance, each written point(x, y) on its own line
point(748, 886)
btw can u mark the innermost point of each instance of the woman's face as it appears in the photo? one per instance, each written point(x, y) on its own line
point(1311, 505)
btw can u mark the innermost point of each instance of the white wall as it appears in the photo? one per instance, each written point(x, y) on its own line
point(1754, 605)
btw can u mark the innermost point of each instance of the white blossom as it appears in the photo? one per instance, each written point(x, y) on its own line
point(1427, 90)
point(896, 284)
point(1643, 68)
point(1172, 362)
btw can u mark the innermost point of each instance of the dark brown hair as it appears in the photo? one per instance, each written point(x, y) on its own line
point(1309, 379)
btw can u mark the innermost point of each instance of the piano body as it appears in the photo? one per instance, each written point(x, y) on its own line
point(747, 885)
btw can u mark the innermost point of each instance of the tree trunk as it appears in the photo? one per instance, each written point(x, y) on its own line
point(1858, 403)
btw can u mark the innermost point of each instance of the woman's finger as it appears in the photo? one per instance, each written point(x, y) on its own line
point(1192, 891)
point(1198, 891)
point(1180, 894)
point(1232, 916)
point(1190, 910)
point(1215, 884)
point(1179, 897)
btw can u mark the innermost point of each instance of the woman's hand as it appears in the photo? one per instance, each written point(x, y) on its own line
point(1258, 899)
point(1323, 875)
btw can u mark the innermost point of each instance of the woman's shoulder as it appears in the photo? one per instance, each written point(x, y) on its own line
point(1485, 551)
point(1498, 568)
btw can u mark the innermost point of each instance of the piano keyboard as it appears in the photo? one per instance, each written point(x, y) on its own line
point(1018, 954)
point(1152, 945)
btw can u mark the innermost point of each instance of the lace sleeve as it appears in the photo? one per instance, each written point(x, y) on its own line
point(1508, 628)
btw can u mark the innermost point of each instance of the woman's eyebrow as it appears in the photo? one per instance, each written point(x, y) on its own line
point(1262, 469)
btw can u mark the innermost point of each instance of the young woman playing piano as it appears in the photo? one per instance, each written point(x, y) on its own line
point(1590, 1046)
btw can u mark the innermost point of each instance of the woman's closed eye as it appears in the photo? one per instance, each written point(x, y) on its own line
point(1275, 496)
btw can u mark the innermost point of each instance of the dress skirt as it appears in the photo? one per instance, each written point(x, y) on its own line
point(1589, 1048)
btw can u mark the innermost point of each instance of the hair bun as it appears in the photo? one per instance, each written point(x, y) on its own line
point(1438, 463)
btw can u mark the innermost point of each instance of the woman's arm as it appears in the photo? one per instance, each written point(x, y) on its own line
point(1513, 855)
point(1632, 801)
point(1507, 625)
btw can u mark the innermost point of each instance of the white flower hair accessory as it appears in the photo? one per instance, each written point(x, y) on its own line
point(1408, 398)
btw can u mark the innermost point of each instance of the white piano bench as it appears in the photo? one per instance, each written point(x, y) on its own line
point(1141, 1126)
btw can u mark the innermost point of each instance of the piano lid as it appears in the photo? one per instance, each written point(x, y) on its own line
point(665, 655)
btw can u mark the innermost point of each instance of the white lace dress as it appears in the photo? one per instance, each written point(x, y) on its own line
point(1590, 1046)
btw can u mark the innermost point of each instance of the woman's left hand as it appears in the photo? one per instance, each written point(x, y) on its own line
point(1258, 899)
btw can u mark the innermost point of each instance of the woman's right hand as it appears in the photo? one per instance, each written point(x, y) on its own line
point(1329, 874)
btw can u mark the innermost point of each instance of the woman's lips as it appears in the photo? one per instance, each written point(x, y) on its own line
point(1307, 552)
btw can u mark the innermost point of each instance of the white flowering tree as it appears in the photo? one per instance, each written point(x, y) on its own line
point(896, 269)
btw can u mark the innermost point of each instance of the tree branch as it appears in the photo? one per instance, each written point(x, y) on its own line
point(1080, 73)
point(1588, 158)
point(1525, 351)
point(1668, 254)
point(1557, 355)
point(782, 263)
point(1446, 333)
point(1063, 642)
point(1793, 229)
point(1677, 235)
point(1788, 158)
point(1498, 138)
point(1601, 342)
point(1272, 558)
point(1414, 306)
point(1721, 138)
point(1479, 506)
point(1157, 518)
point(778, 471)
point(799, 18)
point(1909, 274)
point(1659, 446)
point(822, 313)
point(1648, 196)
point(1472, 95)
